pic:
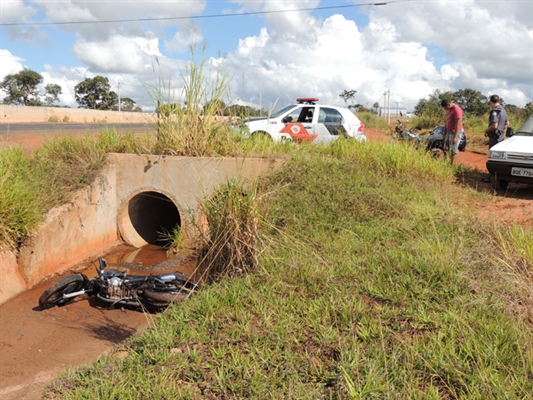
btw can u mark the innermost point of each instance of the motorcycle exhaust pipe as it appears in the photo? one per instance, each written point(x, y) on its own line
point(73, 294)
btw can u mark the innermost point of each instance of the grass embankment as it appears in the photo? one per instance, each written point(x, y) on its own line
point(32, 184)
point(373, 281)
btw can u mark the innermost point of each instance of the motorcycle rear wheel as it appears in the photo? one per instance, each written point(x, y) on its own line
point(54, 295)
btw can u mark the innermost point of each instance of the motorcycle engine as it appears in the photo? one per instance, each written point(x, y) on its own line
point(114, 289)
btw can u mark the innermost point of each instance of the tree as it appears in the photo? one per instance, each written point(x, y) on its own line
point(431, 107)
point(347, 95)
point(52, 93)
point(127, 104)
point(472, 102)
point(243, 111)
point(21, 88)
point(95, 94)
point(214, 107)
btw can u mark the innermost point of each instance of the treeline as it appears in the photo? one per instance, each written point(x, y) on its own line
point(93, 93)
point(214, 108)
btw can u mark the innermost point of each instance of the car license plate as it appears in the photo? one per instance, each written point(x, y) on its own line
point(522, 172)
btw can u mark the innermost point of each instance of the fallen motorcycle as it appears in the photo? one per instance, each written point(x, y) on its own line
point(114, 287)
point(407, 135)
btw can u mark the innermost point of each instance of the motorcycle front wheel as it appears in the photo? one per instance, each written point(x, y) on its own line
point(54, 295)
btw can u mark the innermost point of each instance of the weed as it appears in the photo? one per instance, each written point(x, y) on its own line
point(230, 241)
point(191, 124)
point(174, 240)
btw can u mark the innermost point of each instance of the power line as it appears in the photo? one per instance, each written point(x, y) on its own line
point(201, 16)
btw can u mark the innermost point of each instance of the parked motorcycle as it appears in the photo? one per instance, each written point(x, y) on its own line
point(407, 135)
point(434, 141)
point(113, 287)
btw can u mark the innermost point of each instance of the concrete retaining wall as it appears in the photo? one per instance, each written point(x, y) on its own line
point(97, 219)
point(24, 114)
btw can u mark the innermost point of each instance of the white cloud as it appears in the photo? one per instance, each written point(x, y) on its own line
point(491, 42)
point(410, 48)
point(341, 56)
point(182, 40)
point(9, 64)
point(487, 51)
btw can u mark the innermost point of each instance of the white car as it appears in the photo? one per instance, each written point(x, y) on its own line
point(512, 159)
point(307, 121)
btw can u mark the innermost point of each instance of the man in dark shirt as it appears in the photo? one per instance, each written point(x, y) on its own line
point(498, 122)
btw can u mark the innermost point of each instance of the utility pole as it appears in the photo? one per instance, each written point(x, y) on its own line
point(119, 96)
point(388, 104)
point(384, 108)
point(242, 98)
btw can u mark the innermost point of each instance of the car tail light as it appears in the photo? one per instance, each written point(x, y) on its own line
point(361, 128)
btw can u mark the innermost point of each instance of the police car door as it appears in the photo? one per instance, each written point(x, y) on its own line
point(328, 125)
point(300, 126)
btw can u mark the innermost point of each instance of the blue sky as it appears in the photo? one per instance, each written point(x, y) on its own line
point(408, 47)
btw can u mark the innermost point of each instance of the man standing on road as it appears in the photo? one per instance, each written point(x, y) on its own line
point(453, 129)
point(498, 122)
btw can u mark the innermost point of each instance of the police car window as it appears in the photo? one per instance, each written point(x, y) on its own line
point(329, 116)
point(306, 115)
point(277, 113)
point(294, 115)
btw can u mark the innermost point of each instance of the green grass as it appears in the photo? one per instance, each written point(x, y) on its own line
point(373, 280)
point(32, 184)
point(19, 206)
point(371, 120)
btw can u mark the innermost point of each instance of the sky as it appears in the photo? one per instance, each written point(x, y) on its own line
point(271, 52)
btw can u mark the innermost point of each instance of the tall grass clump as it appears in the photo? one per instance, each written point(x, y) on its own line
point(174, 240)
point(189, 122)
point(111, 141)
point(229, 232)
point(32, 184)
point(19, 207)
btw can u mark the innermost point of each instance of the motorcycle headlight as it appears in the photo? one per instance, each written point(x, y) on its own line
point(497, 155)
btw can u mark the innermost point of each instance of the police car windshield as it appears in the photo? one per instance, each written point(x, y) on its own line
point(277, 113)
point(527, 128)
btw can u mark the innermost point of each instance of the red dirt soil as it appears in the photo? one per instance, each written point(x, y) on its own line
point(37, 345)
point(511, 206)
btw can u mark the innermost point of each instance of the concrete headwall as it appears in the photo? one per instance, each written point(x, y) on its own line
point(27, 114)
point(100, 217)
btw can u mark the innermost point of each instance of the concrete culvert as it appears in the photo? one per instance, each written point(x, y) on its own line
point(145, 215)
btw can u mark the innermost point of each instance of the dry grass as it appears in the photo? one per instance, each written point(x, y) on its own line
point(230, 242)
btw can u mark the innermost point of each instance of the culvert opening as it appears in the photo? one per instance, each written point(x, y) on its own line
point(151, 213)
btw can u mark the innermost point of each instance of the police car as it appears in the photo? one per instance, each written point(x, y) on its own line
point(306, 121)
point(512, 159)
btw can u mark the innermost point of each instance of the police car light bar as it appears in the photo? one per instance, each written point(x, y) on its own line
point(307, 100)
